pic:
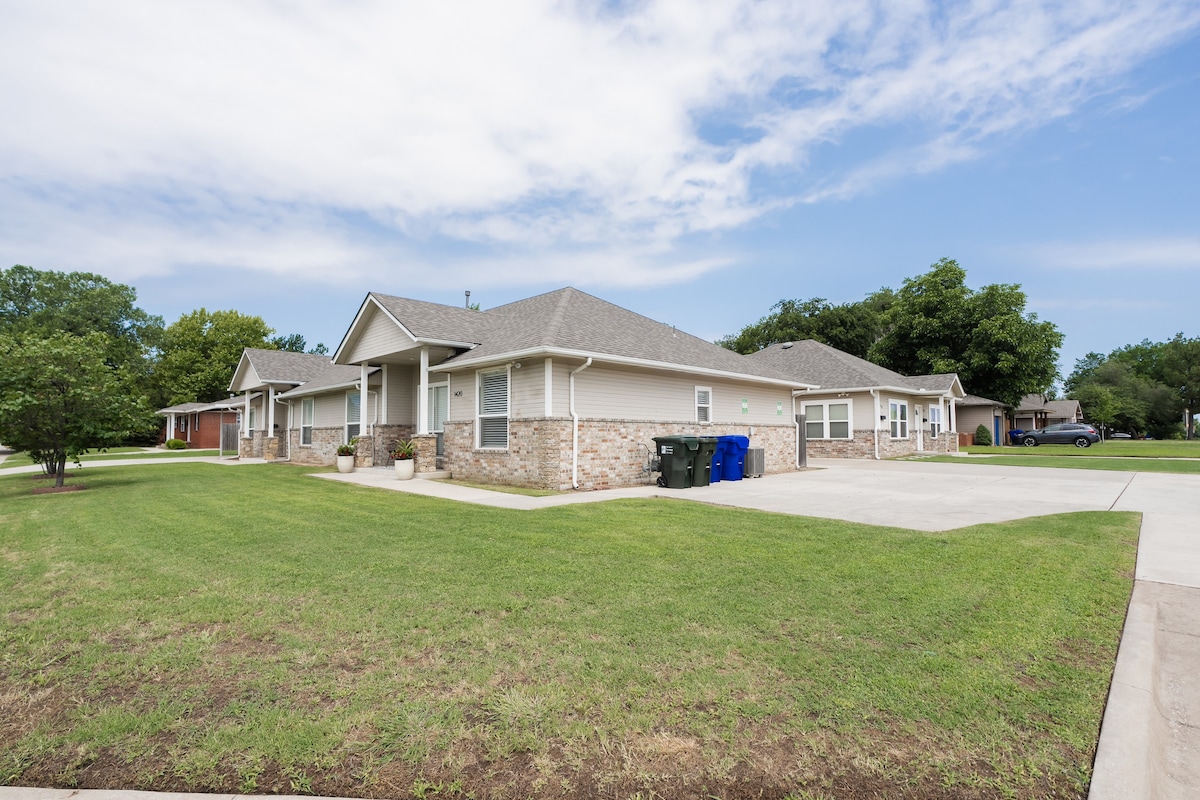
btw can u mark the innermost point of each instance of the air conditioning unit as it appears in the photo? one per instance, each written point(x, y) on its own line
point(756, 462)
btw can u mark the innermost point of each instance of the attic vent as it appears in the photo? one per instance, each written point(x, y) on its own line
point(786, 346)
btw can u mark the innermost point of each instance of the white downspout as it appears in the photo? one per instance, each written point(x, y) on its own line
point(796, 422)
point(575, 426)
point(288, 431)
point(875, 421)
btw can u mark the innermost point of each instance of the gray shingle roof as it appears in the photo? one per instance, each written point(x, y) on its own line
point(815, 362)
point(280, 366)
point(976, 400)
point(567, 320)
point(332, 376)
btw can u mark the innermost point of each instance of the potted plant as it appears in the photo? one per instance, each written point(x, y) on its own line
point(404, 452)
point(345, 456)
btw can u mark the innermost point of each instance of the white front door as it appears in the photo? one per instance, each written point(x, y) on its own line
point(920, 428)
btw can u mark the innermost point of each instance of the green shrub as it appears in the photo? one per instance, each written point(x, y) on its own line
point(176, 444)
point(983, 436)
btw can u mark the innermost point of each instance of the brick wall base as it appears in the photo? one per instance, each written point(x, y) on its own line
point(612, 452)
point(863, 445)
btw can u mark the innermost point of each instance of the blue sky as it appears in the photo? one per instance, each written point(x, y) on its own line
point(693, 162)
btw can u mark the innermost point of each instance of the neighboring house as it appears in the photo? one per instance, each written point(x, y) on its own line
point(863, 410)
point(557, 391)
point(974, 411)
point(1035, 411)
point(261, 377)
point(198, 424)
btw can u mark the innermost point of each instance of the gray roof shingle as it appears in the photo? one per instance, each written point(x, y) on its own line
point(830, 368)
point(281, 366)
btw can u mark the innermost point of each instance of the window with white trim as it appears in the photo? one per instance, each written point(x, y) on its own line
point(253, 417)
point(827, 420)
point(492, 426)
point(935, 421)
point(306, 421)
point(353, 415)
point(703, 404)
point(898, 417)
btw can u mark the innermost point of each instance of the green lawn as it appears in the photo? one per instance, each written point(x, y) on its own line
point(1182, 467)
point(1120, 448)
point(250, 629)
point(122, 453)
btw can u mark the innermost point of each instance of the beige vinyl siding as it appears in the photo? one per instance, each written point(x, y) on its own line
point(402, 394)
point(863, 414)
point(380, 337)
point(604, 392)
point(562, 385)
point(250, 380)
point(329, 410)
point(527, 391)
point(462, 408)
point(971, 417)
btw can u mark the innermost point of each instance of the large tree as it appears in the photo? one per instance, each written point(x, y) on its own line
point(1140, 388)
point(850, 327)
point(46, 302)
point(59, 398)
point(937, 324)
point(1181, 372)
point(200, 352)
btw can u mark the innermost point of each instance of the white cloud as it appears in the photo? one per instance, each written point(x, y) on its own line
point(1129, 254)
point(251, 133)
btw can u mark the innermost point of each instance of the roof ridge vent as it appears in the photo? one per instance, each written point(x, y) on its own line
point(787, 345)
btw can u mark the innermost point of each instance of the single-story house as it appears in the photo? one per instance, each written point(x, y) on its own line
point(858, 409)
point(974, 411)
point(198, 424)
point(262, 376)
point(1035, 411)
point(564, 390)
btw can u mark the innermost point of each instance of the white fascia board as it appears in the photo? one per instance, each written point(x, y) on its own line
point(369, 299)
point(860, 389)
point(303, 391)
point(517, 355)
point(243, 363)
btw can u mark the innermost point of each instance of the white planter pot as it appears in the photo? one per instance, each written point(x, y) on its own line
point(405, 469)
point(345, 463)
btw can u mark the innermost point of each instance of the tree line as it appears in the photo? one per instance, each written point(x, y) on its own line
point(934, 324)
point(84, 367)
point(1151, 388)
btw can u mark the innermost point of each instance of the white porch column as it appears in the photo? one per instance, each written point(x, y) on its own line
point(170, 426)
point(246, 417)
point(270, 411)
point(383, 375)
point(364, 404)
point(953, 416)
point(423, 393)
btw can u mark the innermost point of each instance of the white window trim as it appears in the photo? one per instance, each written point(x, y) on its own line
point(936, 425)
point(708, 405)
point(346, 427)
point(311, 403)
point(479, 415)
point(253, 419)
point(824, 404)
point(904, 423)
point(433, 386)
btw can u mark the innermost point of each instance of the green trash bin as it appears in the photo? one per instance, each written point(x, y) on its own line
point(702, 461)
point(675, 456)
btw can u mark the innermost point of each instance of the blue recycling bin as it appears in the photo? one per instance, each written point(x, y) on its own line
point(1014, 436)
point(733, 464)
point(718, 459)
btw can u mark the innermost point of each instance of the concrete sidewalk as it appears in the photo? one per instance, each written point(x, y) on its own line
point(1149, 743)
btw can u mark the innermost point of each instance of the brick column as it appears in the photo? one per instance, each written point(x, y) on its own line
point(426, 452)
point(364, 451)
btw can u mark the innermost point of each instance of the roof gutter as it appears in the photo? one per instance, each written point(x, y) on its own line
point(517, 355)
point(575, 426)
